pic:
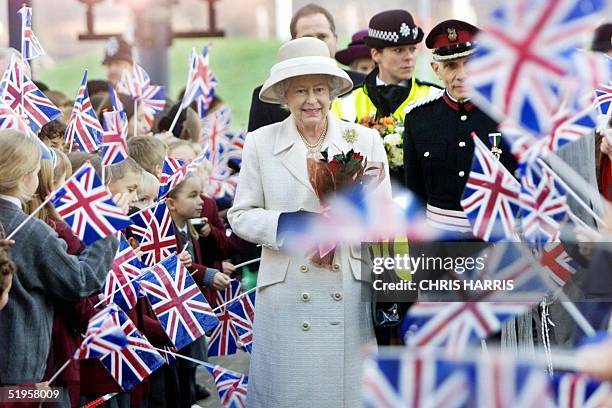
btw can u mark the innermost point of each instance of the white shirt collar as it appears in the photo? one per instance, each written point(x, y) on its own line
point(183, 229)
point(380, 82)
point(455, 100)
point(12, 200)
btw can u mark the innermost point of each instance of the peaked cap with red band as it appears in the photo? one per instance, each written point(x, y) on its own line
point(451, 39)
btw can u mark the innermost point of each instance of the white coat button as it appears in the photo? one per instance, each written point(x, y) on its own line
point(426, 154)
point(305, 296)
point(463, 118)
point(337, 296)
point(461, 144)
point(336, 267)
point(305, 326)
point(461, 173)
point(303, 268)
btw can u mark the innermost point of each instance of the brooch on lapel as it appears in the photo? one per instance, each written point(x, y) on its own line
point(350, 136)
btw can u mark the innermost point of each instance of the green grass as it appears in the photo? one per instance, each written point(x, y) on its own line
point(240, 64)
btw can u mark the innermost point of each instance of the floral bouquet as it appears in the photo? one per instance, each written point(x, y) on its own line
point(330, 177)
point(391, 132)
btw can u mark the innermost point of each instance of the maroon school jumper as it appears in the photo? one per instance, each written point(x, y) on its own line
point(216, 246)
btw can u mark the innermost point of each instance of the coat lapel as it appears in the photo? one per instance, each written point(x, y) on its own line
point(291, 151)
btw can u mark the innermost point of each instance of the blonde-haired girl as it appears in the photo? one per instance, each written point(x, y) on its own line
point(44, 270)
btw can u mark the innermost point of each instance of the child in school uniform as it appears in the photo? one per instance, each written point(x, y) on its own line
point(184, 203)
point(147, 191)
point(7, 268)
point(68, 322)
point(44, 270)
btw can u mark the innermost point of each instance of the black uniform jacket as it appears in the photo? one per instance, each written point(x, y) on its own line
point(438, 148)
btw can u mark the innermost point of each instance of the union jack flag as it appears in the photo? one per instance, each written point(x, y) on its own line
point(114, 98)
point(173, 172)
point(557, 263)
point(502, 381)
point(524, 53)
point(30, 46)
point(114, 145)
point(414, 380)
point(223, 339)
point(177, 302)
point(490, 197)
point(139, 86)
point(482, 311)
point(102, 336)
point(603, 98)
point(135, 362)
point(215, 129)
point(83, 125)
point(241, 314)
point(87, 206)
point(154, 232)
point(10, 120)
point(591, 70)
point(38, 109)
point(121, 286)
point(201, 83)
point(543, 207)
point(222, 184)
point(231, 386)
point(576, 390)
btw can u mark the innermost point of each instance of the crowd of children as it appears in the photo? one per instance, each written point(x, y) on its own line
point(50, 281)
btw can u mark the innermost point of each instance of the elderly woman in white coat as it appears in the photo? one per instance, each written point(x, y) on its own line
point(311, 322)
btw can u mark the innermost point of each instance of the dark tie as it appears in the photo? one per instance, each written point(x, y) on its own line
point(390, 98)
point(184, 239)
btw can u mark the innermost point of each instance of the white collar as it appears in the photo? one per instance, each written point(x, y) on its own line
point(455, 100)
point(380, 82)
point(184, 229)
point(12, 200)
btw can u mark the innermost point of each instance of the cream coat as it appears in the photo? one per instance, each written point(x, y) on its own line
point(310, 323)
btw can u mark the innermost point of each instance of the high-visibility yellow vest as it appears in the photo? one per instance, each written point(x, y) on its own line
point(358, 104)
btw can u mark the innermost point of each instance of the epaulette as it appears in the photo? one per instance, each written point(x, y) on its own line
point(421, 82)
point(434, 94)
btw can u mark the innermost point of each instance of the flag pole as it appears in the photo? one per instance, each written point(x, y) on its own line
point(193, 360)
point(99, 401)
point(234, 299)
point(176, 116)
point(58, 372)
point(572, 192)
point(135, 117)
point(36, 210)
point(142, 273)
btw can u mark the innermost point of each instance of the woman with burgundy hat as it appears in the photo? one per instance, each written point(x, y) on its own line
point(357, 55)
point(311, 321)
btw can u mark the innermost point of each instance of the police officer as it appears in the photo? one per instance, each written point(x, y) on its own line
point(438, 148)
point(392, 38)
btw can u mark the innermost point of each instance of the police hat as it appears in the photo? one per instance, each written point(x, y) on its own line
point(451, 39)
point(117, 49)
point(392, 28)
point(602, 40)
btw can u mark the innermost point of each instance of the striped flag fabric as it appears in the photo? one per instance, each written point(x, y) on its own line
point(231, 386)
point(83, 125)
point(177, 302)
point(120, 286)
point(30, 46)
point(491, 196)
point(102, 336)
point(114, 138)
point(524, 54)
point(132, 364)
point(87, 206)
point(152, 228)
point(24, 97)
point(201, 82)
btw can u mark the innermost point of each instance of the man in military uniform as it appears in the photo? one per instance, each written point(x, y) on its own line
point(438, 147)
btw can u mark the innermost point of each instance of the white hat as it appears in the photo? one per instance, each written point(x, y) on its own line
point(303, 56)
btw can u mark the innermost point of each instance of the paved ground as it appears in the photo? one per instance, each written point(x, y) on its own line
point(238, 362)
